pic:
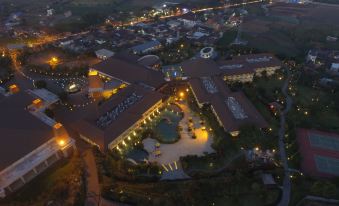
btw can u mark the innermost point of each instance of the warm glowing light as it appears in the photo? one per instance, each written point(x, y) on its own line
point(13, 88)
point(73, 86)
point(54, 59)
point(92, 73)
point(57, 126)
point(181, 94)
point(257, 149)
point(61, 142)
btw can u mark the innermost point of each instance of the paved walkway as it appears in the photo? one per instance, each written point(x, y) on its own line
point(285, 199)
point(186, 145)
point(171, 153)
point(93, 187)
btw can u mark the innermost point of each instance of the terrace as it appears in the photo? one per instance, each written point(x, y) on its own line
point(31, 161)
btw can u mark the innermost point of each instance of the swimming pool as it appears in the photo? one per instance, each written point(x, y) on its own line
point(166, 130)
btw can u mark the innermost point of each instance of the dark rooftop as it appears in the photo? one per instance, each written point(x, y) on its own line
point(130, 72)
point(21, 132)
point(233, 108)
point(142, 47)
point(87, 121)
point(200, 68)
point(248, 63)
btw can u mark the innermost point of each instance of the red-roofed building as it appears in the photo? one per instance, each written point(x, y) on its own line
point(232, 109)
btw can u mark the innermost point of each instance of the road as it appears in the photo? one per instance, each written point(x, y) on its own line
point(286, 190)
point(47, 39)
point(144, 20)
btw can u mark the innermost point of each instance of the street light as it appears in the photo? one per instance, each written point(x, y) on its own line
point(53, 61)
point(181, 94)
point(61, 143)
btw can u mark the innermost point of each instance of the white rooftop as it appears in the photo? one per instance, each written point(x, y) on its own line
point(47, 96)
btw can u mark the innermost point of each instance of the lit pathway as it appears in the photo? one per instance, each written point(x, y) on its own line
point(93, 187)
point(285, 199)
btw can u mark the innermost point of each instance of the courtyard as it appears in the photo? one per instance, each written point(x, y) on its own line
point(194, 140)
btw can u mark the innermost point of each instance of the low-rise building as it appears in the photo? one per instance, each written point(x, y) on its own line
point(232, 109)
point(239, 69)
point(31, 141)
point(147, 47)
point(129, 72)
point(173, 23)
point(334, 67)
point(118, 119)
point(104, 54)
point(244, 68)
point(189, 19)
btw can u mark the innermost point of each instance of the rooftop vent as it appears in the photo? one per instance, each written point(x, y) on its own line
point(236, 109)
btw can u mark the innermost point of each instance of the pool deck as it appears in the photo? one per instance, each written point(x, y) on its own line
point(171, 153)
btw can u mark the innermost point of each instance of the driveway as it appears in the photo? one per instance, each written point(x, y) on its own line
point(283, 156)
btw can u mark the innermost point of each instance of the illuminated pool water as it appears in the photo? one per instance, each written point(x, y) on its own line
point(166, 131)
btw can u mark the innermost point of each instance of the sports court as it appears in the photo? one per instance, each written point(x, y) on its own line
point(319, 151)
point(324, 142)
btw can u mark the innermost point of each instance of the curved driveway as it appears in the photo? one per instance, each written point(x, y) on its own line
point(286, 190)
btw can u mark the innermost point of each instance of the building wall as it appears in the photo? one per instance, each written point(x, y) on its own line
point(201, 104)
point(248, 77)
point(8, 186)
point(130, 131)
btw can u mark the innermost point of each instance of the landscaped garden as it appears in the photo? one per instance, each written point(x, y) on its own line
point(226, 148)
point(227, 189)
point(56, 62)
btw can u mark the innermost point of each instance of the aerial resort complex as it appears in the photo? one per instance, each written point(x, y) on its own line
point(167, 103)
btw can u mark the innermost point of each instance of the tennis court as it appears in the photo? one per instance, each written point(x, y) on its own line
point(327, 165)
point(324, 142)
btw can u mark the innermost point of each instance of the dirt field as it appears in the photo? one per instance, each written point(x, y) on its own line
point(323, 14)
point(43, 59)
point(292, 29)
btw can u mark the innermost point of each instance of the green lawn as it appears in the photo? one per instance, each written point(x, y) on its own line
point(320, 108)
point(219, 191)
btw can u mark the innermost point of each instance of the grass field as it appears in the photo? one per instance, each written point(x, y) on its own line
point(291, 30)
point(319, 107)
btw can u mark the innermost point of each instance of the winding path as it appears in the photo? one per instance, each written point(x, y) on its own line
point(286, 188)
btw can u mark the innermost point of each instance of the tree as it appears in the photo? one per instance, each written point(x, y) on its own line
point(324, 188)
point(63, 96)
point(49, 113)
point(40, 84)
